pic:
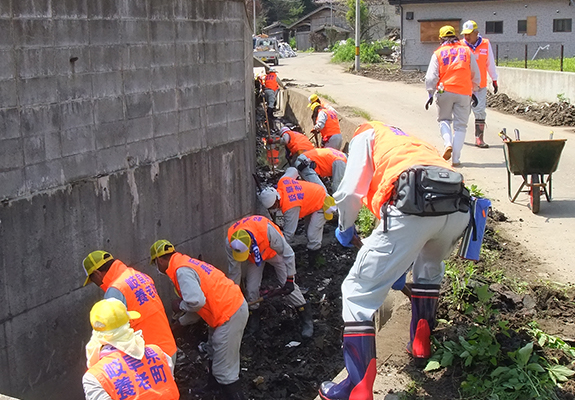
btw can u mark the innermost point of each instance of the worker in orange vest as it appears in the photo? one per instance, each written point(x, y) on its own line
point(138, 293)
point(326, 122)
point(294, 142)
point(300, 199)
point(379, 155)
point(453, 76)
point(251, 243)
point(481, 48)
point(271, 86)
point(205, 292)
point(322, 163)
point(120, 364)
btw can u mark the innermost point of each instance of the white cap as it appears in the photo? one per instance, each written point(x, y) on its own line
point(291, 172)
point(284, 129)
point(268, 197)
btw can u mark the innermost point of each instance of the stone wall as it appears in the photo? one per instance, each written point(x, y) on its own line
point(122, 122)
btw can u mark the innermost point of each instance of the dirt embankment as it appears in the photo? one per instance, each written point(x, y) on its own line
point(559, 113)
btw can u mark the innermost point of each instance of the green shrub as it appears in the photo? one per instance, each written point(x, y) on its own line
point(367, 51)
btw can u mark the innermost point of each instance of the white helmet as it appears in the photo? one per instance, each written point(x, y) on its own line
point(292, 172)
point(268, 197)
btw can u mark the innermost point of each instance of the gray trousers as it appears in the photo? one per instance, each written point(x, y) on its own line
point(384, 257)
point(223, 346)
point(270, 98)
point(453, 108)
point(308, 174)
point(334, 142)
point(252, 277)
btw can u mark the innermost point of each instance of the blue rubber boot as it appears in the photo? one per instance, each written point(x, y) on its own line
point(359, 356)
point(424, 299)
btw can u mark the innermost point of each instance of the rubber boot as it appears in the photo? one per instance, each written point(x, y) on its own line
point(313, 257)
point(306, 319)
point(233, 391)
point(359, 357)
point(253, 325)
point(211, 386)
point(479, 129)
point(424, 299)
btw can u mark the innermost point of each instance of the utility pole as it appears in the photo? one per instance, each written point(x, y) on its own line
point(357, 26)
point(254, 17)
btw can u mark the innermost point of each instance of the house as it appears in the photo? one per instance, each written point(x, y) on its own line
point(278, 30)
point(516, 28)
point(320, 28)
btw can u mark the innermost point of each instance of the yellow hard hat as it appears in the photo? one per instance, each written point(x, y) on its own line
point(313, 99)
point(160, 248)
point(446, 30)
point(468, 27)
point(240, 243)
point(109, 314)
point(313, 106)
point(329, 208)
point(95, 260)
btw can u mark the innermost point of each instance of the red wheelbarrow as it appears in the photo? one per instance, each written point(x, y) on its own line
point(534, 161)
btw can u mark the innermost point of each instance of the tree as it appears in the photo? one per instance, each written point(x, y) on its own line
point(363, 13)
point(287, 11)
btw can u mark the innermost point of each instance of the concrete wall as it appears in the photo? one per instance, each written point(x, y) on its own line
point(536, 85)
point(122, 122)
point(416, 55)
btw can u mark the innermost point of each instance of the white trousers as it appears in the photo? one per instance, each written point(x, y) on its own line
point(384, 257)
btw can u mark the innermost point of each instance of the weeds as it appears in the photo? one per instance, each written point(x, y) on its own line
point(361, 113)
point(327, 97)
point(366, 222)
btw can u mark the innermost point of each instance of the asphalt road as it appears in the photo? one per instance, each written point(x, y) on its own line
point(548, 235)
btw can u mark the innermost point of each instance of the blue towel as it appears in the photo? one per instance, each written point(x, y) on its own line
point(473, 235)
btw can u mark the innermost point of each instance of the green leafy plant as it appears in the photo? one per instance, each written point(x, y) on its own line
point(365, 222)
point(475, 191)
point(552, 342)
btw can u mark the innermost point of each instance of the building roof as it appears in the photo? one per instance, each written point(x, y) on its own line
point(299, 21)
point(336, 28)
point(277, 24)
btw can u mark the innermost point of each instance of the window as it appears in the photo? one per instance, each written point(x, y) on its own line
point(562, 25)
point(429, 29)
point(494, 27)
point(522, 26)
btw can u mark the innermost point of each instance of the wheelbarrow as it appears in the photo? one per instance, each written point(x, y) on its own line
point(535, 161)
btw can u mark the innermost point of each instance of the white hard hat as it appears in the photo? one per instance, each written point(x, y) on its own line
point(291, 172)
point(268, 197)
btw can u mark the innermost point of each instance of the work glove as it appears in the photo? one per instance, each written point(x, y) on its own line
point(474, 101)
point(429, 102)
point(288, 286)
point(495, 87)
point(176, 305)
point(345, 237)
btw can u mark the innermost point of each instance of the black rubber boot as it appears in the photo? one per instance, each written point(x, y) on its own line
point(313, 257)
point(233, 391)
point(253, 325)
point(306, 319)
point(479, 130)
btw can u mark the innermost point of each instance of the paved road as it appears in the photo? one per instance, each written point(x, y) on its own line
point(549, 235)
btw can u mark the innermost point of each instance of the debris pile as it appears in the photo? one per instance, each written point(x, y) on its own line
point(560, 113)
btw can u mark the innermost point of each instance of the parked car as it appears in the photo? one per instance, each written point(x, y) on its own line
point(266, 49)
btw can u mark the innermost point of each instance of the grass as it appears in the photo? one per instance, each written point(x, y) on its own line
point(547, 64)
point(327, 97)
point(358, 112)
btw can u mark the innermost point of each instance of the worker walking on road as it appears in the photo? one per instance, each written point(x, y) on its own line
point(325, 122)
point(295, 143)
point(138, 293)
point(120, 364)
point(481, 48)
point(322, 163)
point(453, 76)
point(299, 199)
point(251, 243)
point(384, 166)
point(204, 291)
point(271, 86)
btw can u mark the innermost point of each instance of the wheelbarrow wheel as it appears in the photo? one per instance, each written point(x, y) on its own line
point(535, 194)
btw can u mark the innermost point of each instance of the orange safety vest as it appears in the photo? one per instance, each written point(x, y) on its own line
point(258, 227)
point(298, 143)
point(331, 126)
point(481, 53)
point(455, 68)
point(141, 295)
point(324, 159)
point(306, 195)
point(223, 296)
point(394, 151)
point(127, 378)
point(271, 81)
